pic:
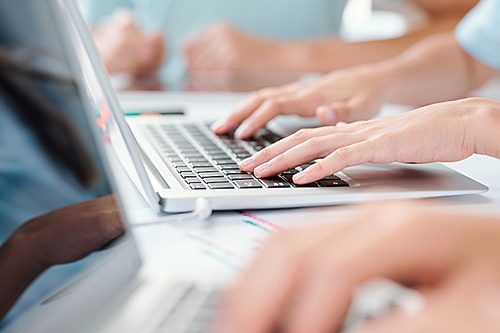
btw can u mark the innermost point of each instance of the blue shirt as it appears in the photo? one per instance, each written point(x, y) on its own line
point(479, 33)
point(181, 19)
point(32, 181)
point(31, 184)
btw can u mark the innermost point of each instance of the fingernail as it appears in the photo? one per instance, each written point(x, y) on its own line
point(261, 168)
point(299, 176)
point(241, 131)
point(218, 125)
point(327, 112)
point(246, 163)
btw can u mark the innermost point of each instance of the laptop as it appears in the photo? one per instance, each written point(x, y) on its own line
point(174, 162)
point(109, 290)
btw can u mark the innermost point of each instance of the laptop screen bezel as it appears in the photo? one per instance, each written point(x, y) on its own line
point(85, 35)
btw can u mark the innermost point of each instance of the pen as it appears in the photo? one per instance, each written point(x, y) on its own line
point(169, 112)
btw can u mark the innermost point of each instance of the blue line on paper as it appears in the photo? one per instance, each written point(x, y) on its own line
point(222, 259)
point(255, 224)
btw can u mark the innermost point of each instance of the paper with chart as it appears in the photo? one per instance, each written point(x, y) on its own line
point(233, 238)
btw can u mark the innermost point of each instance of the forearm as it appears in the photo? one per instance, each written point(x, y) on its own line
point(485, 126)
point(332, 53)
point(18, 269)
point(434, 70)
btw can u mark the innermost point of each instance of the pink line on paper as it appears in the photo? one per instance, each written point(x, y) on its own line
point(261, 220)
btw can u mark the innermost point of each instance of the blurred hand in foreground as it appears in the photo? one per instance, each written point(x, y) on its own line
point(443, 132)
point(304, 280)
point(124, 48)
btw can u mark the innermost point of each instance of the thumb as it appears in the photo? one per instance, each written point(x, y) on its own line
point(145, 51)
point(346, 111)
point(155, 38)
point(331, 114)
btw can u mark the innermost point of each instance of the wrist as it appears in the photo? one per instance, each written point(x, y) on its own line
point(31, 258)
point(388, 76)
point(485, 126)
point(19, 267)
point(294, 56)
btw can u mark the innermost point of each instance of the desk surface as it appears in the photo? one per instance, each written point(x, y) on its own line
point(219, 248)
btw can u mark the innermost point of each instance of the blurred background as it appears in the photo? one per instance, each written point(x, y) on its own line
point(241, 38)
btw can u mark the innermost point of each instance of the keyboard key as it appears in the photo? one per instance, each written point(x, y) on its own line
point(271, 137)
point(219, 186)
point(332, 183)
point(197, 186)
point(234, 172)
point(192, 180)
point(274, 182)
point(210, 146)
point(167, 128)
point(206, 169)
point(183, 169)
point(201, 164)
point(220, 156)
point(184, 145)
point(186, 148)
point(167, 149)
point(222, 162)
point(202, 139)
point(240, 176)
point(290, 172)
point(215, 180)
point(175, 158)
point(210, 174)
point(248, 183)
point(306, 185)
point(289, 179)
point(179, 164)
point(240, 151)
point(196, 159)
point(230, 167)
point(332, 177)
point(188, 174)
point(234, 147)
point(214, 151)
point(195, 153)
point(176, 137)
point(255, 143)
point(305, 166)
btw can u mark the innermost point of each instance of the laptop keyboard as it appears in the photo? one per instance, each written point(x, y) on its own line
point(208, 162)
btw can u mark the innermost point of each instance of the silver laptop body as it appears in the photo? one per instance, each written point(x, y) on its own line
point(174, 162)
point(109, 290)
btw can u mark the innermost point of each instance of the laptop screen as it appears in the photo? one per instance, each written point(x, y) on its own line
point(55, 184)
